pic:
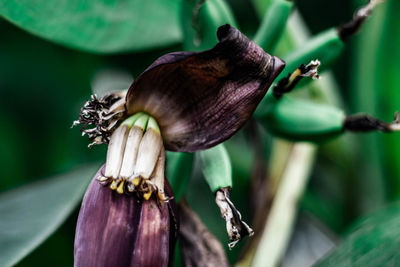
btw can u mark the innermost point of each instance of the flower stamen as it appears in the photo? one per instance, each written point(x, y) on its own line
point(136, 158)
point(114, 184)
point(104, 113)
point(147, 195)
point(120, 189)
point(147, 158)
point(132, 147)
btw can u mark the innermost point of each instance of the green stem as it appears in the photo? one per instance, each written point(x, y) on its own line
point(284, 208)
point(302, 152)
point(273, 24)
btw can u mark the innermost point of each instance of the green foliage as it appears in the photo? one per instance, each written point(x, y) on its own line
point(273, 25)
point(387, 92)
point(104, 26)
point(30, 214)
point(42, 86)
point(200, 21)
point(371, 182)
point(178, 171)
point(374, 241)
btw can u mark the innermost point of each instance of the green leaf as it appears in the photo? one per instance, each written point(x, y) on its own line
point(30, 214)
point(261, 6)
point(179, 171)
point(375, 241)
point(371, 180)
point(273, 25)
point(200, 21)
point(386, 91)
point(103, 26)
point(216, 167)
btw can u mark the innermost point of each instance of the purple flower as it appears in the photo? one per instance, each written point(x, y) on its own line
point(185, 101)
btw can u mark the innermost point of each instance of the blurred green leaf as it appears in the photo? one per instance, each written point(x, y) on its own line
point(387, 69)
point(374, 241)
point(216, 167)
point(273, 24)
point(30, 214)
point(370, 181)
point(261, 6)
point(11, 172)
point(103, 26)
point(179, 170)
point(177, 255)
point(200, 21)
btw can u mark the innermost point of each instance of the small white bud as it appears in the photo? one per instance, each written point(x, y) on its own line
point(149, 149)
point(159, 171)
point(131, 152)
point(115, 152)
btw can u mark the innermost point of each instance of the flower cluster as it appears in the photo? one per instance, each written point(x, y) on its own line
point(185, 101)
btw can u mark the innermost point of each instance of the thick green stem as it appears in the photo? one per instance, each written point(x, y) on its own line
point(273, 24)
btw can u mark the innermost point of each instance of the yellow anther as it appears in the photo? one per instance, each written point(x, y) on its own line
point(162, 197)
point(114, 185)
point(136, 181)
point(147, 195)
point(294, 75)
point(120, 189)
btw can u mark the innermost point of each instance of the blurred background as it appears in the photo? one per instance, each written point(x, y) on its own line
point(43, 84)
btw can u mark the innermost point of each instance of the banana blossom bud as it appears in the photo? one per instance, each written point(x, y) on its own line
point(184, 101)
point(123, 230)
